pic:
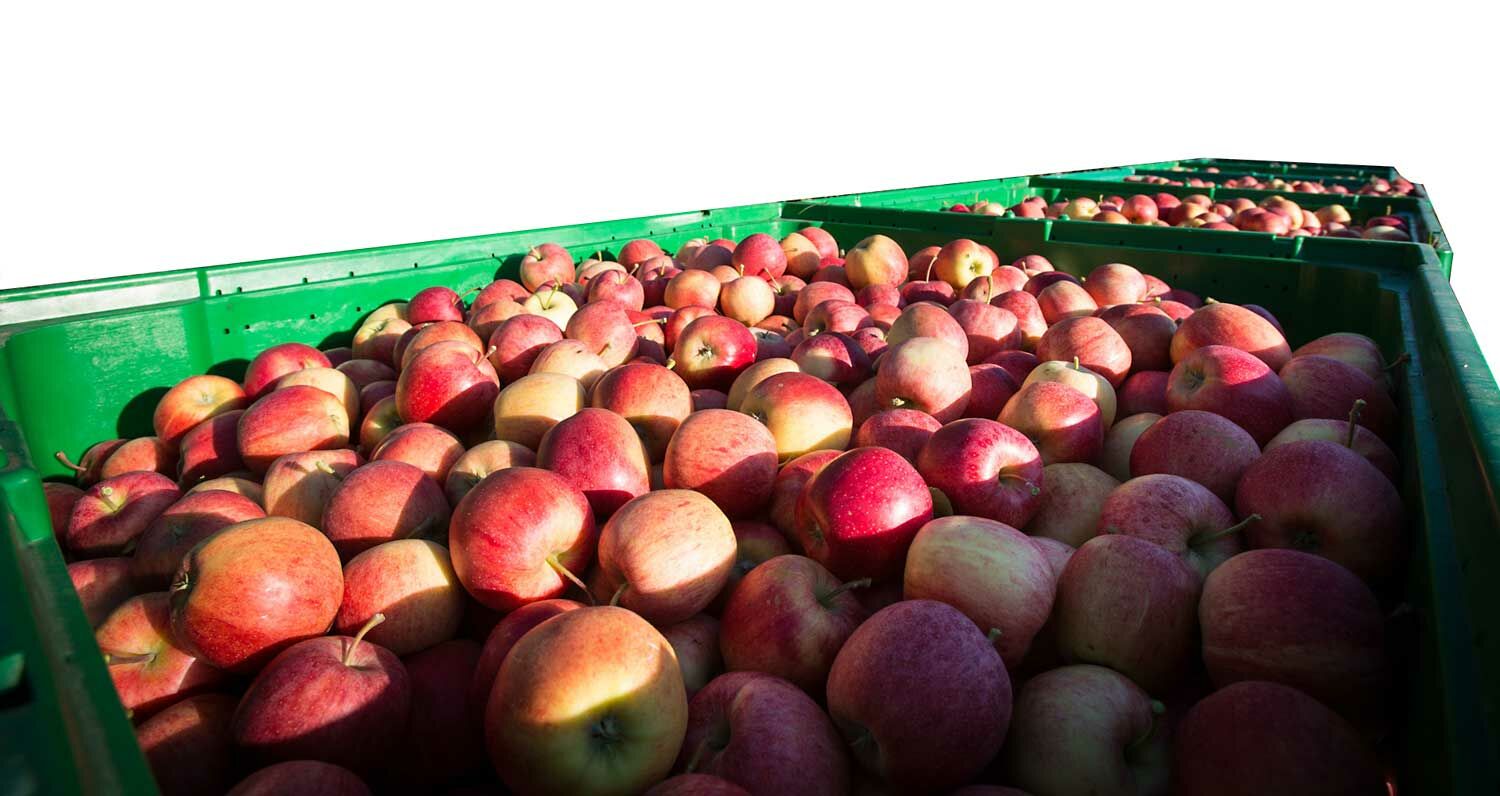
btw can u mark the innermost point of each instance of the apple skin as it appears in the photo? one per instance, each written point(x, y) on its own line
point(102, 584)
point(188, 747)
point(297, 485)
point(140, 454)
point(598, 452)
point(184, 524)
point(1299, 620)
point(756, 543)
point(815, 294)
point(208, 450)
point(1182, 516)
point(1091, 384)
point(727, 456)
point(1365, 442)
point(825, 243)
point(904, 431)
point(606, 329)
point(712, 351)
point(988, 570)
point(447, 384)
point(987, 328)
point(786, 491)
point(894, 668)
point(987, 469)
point(252, 590)
point(1070, 505)
point(1063, 299)
point(1115, 283)
point(802, 255)
point(382, 418)
point(192, 401)
point(926, 374)
point(411, 583)
point(502, 638)
point(1147, 332)
point(302, 778)
point(337, 699)
point(434, 304)
point(1321, 497)
point(755, 374)
point(481, 460)
point(789, 617)
point(927, 319)
point(149, 669)
point(695, 642)
point(664, 555)
point(1349, 348)
point(991, 388)
point(588, 702)
point(507, 530)
point(381, 502)
point(833, 357)
point(1029, 318)
point(1093, 342)
point(1119, 444)
point(1130, 604)
point(428, 335)
point(431, 449)
point(291, 420)
point(1326, 388)
point(440, 742)
point(516, 343)
point(858, 514)
point(876, 260)
point(277, 361)
point(1234, 326)
point(1201, 446)
point(704, 399)
point(526, 408)
point(114, 512)
point(376, 339)
point(961, 261)
point(1143, 391)
point(1086, 729)
point(1234, 384)
point(802, 412)
point(1063, 423)
point(693, 288)
point(763, 733)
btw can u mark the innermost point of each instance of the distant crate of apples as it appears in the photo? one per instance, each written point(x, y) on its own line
point(764, 517)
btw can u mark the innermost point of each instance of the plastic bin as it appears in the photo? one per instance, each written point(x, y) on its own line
point(1284, 167)
point(66, 382)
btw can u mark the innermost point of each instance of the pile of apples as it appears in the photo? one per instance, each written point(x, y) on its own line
point(760, 518)
point(1375, 186)
point(1277, 215)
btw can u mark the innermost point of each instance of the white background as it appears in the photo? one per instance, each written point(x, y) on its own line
point(144, 139)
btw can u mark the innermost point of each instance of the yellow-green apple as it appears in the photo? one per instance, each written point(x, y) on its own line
point(1234, 326)
point(926, 319)
point(987, 329)
point(990, 572)
point(590, 701)
point(748, 299)
point(1063, 423)
point(605, 329)
point(1182, 516)
point(787, 489)
point(816, 293)
point(102, 584)
point(961, 261)
point(886, 679)
point(1203, 447)
point(926, 374)
point(142, 454)
point(753, 375)
point(904, 431)
point(290, 420)
point(695, 642)
point(1081, 208)
point(61, 498)
point(431, 334)
point(515, 344)
point(695, 288)
point(382, 418)
point(543, 265)
point(1092, 342)
point(435, 304)
point(727, 456)
point(448, 384)
point(664, 555)
point(1129, 604)
point(1143, 391)
point(177, 530)
point(1082, 379)
point(1086, 729)
point(1357, 438)
point(986, 469)
point(431, 449)
point(1322, 497)
point(302, 778)
point(1232, 383)
point(876, 260)
point(298, 485)
point(836, 315)
point(1029, 319)
point(1119, 443)
point(802, 255)
point(551, 303)
point(802, 412)
point(113, 513)
point(858, 514)
point(833, 357)
point(1070, 505)
point(188, 746)
point(440, 743)
point(277, 361)
point(503, 638)
point(235, 484)
point(1147, 332)
point(1259, 737)
point(526, 408)
point(149, 669)
point(337, 699)
point(598, 452)
point(789, 617)
point(759, 254)
point(992, 387)
point(711, 351)
point(1301, 620)
point(411, 583)
point(1324, 387)
point(193, 401)
point(1062, 300)
point(1115, 283)
point(763, 733)
point(383, 501)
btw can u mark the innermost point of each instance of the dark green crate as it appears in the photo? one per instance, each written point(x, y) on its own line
point(68, 379)
point(1284, 167)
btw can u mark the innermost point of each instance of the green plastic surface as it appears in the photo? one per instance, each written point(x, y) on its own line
point(66, 382)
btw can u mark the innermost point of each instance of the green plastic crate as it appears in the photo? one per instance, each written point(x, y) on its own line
point(1184, 174)
point(1283, 167)
point(68, 381)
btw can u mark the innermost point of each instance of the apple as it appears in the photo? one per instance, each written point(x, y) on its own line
point(61, 498)
point(748, 299)
point(411, 583)
point(695, 642)
point(619, 287)
point(802, 412)
point(902, 661)
point(429, 335)
point(546, 264)
point(87, 471)
point(787, 489)
point(383, 501)
point(1064, 299)
point(1147, 333)
point(1093, 342)
point(431, 449)
point(376, 339)
point(571, 358)
point(253, 589)
point(1063, 423)
point(1143, 391)
point(502, 639)
point(876, 260)
point(1357, 438)
point(515, 344)
point(1324, 387)
point(336, 699)
point(498, 291)
point(521, 535)
point(1201, 446)
point(712, 254)
point(481, 460)
point(1115, 283)
point(802, 255)
point(816, 293)
point(1086, 729)
point(825, 243)
point(193, 401)
point(605, 328)
point(439, 741)
point(1234, 384)
point(988, 329)
point(239, 486)
point(986, 469)
point(1140, 209)
point(858, 514)
point(1258, 737)
point(290, 420)
point(598, 452)
point(302, 778)
point(1129, 604)
point(552, 303)
point(933, 292)
point(364, 372)
point(1300, 620)
point(926, 374)
point(529, 406)
point(113, 513)
point(277, 361)
point(1070, 506)
point(755, 543)
point(664, 555)
point(961, 261)
point(1181, 515)
point(1080, 378)
point(835, 315)
point(759, 254)
point(992, 387)
point(188, 746)
point(1321, 497)
point(761, 732)
point(834, 358)
point(904, 431)
point(1350, 348)
point(1221, 324)
point(712, 351)
point(190, 520)
point(693, 288)
point(382, 418)
point(755, 374)
point(435, 304)
point(708, 399)
point(142, 454)
point(926, 319)
point(101, 584)
point(149, 669)
point(728, 457)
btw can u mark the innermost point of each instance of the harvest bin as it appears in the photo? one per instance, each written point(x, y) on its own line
point(96, 369)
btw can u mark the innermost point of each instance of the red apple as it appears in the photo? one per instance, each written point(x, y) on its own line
point(149, 669)
point(440, 743)
point(448, 384)
point(1063, 423)
point(904, 431)
point(1350, 348)
point(188, 745)
point(1180, 515)
point(382, 418)
point(858, 514)
point(113, 513)
point(1093, 342)
point(291, 420)
point(1357, 438)
point(815, 294)
point(961, 261)
point(926, 319)
point(411, 583)
point(102, 584)
point(802, 255)
point(695, 642)
point(142, 454)
point(1071, 503)
point(1234, 326)
point(802, 412)
point(209, 450)
point(712, 351)
point(277, 361)
point(183, 525)
point(1324, 387)
point(986, 469)
point(1143, 391)
point(825, 243)
point(1232, 383)
point(876, 260)
point(1119, 444)
point(1147, 333)
point(383, 501)
point(787, 489)
point(664, 555)
point(1201, 446)
point(759, 254)
point(302, 778)
point(926, 374)
point(503, 638)
point(727, 456)
point(193, 401)
point(429, 448)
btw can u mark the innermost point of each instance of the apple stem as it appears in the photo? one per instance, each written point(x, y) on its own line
point(68, 463)
point(327, 468)
point(115, 659)
point(620, 592)
point(1210, 300)
point(1235, 528)
point(994, 635)
point(491, 352)
point(648, 323)
point(370, 625)
point(843, 587)
point(928, 276)
point(1354, 412)
point(107, 496)
point(1401, 360)
point(697, 757)
point(1013, 477)
point(458, 299)
point(557, 564)
point(1076, 364)
point(671, 363)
